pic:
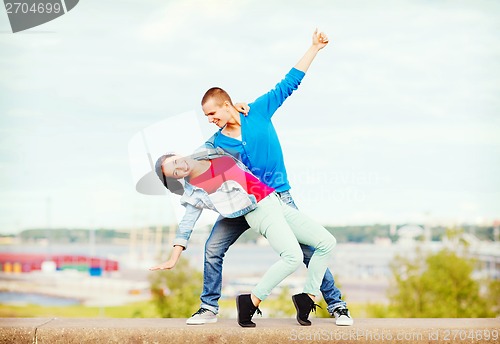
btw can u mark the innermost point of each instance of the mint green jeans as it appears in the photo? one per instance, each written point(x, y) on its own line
point(285, 227)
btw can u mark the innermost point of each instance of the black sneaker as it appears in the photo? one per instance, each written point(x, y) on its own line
point(246, 310)
point(304, 305)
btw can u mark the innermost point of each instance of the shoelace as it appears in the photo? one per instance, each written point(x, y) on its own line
point(313, 307)
point(200, 311)
point(257, 311)
point(342, 311)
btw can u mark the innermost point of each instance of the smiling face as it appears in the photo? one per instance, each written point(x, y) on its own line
point(216, 113)
point(177, 167)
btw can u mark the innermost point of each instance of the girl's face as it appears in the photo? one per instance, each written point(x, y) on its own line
point(177, 167)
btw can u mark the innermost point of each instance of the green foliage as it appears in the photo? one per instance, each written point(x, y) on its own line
point(378, 310)
point(436, 285)
point(493, 295)
point(281, 306)
point(176, 292)
point(141, 309)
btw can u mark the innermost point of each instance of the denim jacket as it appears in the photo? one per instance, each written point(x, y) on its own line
point(230, 199)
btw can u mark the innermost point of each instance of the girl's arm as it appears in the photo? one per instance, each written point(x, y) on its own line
point(170, 264)
point(182, 236)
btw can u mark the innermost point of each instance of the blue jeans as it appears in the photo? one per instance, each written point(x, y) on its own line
point(224, 233)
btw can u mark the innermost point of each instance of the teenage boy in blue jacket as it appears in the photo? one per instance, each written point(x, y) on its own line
point(253, 140)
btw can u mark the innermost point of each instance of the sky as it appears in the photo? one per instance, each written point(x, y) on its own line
point(396, 121)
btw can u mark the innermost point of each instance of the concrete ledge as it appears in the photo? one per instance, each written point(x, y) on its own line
point(69, 331)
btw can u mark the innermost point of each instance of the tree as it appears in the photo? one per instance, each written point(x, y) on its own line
point(436, 285)
point(176, 292)
point(494, 295)
point(281, 306)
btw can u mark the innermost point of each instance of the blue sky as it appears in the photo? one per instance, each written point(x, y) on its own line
point(397, 119)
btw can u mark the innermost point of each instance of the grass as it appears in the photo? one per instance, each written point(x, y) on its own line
point(143, 309)
point(146, 309)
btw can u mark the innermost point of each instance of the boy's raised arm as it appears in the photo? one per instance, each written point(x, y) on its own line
point(319, 41)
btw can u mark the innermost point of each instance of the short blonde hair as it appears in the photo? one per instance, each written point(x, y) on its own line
point(218, 94)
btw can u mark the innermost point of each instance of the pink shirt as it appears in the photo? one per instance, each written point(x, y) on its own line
point(225, 168)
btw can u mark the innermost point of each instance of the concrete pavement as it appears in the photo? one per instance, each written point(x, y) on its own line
point(96, 330)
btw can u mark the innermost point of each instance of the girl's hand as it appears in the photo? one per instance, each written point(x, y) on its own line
point(168, 265)
point(243, 108)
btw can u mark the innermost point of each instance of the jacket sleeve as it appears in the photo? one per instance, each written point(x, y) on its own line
point(186, 225)
point(267, 104)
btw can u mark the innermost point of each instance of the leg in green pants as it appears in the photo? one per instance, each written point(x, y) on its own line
point(284, 227)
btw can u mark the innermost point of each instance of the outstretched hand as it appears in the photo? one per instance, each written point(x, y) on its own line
point(168, 265)
point(319, 39)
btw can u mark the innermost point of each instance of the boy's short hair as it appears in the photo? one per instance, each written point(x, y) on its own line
point(218, 94)
point(171, 184)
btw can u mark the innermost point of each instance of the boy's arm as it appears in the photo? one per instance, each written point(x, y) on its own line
point(319, 41)
point(267, 104)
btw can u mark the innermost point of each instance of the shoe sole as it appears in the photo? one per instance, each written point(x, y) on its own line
point(250, 324)
point(201, 322)
point(344, 322)
point(303, 323)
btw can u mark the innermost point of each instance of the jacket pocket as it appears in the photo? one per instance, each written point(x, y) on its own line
point(230, 198)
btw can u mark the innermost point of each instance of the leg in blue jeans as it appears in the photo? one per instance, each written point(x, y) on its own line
point(330, 292)
point(224, 233)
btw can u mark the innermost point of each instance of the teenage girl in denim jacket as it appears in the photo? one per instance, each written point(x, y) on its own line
point(219, 182)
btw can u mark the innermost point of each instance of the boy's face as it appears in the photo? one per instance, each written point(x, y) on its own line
point(216, 114)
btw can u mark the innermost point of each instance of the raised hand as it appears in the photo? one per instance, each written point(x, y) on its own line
point(320, 39)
